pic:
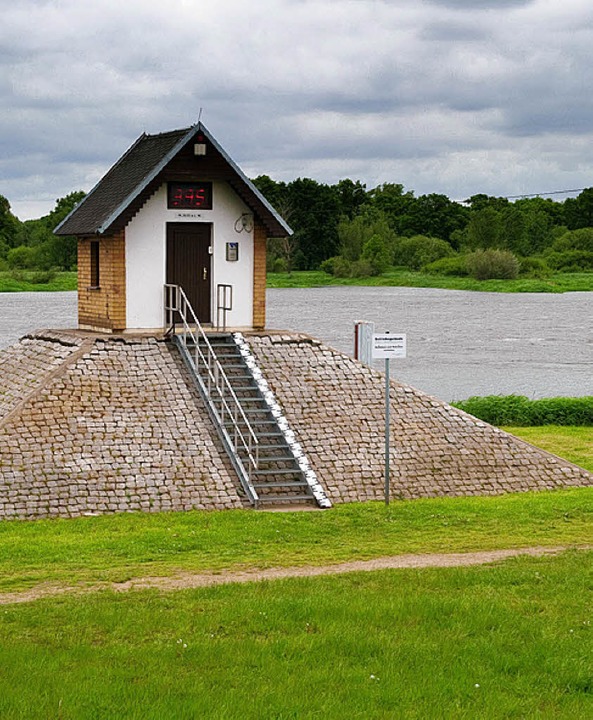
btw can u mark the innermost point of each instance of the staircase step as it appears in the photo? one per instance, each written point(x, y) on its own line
point(216, 342)
point(251, 401)
point(263, 459)
point(277, 471)
point(296, 483)
point(259, 422)
point(274, 449)
point(275, 458)
point(285, 498)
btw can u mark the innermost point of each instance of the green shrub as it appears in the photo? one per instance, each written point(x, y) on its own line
point(362, 268)
point(280, 265)
point(276, 264)
point(534, 267)
point(492, 265)
point(454, 265)
point(327, 266)
point(420, 250)
point(42, 277)
point(521, 411)
point(341, 267)
point(21, 257)
point(571, 260)
point(376, 254)
point(581, 239)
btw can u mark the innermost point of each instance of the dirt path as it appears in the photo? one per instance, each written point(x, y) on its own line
point(184, 581)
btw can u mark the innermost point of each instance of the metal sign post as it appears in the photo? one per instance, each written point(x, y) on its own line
point(387, 404)
point(387, 346)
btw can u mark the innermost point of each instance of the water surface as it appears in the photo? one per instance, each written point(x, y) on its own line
point(459, 343)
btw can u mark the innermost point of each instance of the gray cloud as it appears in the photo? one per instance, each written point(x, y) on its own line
point(491, 99)
point(480, 4)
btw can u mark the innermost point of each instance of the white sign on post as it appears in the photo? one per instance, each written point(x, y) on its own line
point(387, 346)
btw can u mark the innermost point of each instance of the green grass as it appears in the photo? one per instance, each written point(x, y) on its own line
point(514, 640)
point(120, 547)
point(511, 640)
point(573, 443)
point(557, 283)
point(62, 281)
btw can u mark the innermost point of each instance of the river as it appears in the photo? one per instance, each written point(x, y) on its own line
point(459, 343)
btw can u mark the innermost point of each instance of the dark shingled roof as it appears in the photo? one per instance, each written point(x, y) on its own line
point(150, 161)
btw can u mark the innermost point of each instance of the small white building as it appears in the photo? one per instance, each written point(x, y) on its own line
point(173, 209)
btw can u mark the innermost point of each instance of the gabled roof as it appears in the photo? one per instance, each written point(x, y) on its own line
point(152, 160)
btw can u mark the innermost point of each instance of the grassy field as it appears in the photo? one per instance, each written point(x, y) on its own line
point(510, 640)
point(573, 443)
point(120, 547)
point(557, 283)
point(28, 281)
point(514, 640)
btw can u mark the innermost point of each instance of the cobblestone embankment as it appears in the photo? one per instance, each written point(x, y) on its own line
point(336, 406)
point(103, 424)
point(117, 428)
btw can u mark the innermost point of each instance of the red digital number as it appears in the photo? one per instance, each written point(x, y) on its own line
point(200, 199)
point(190, 196)
point(177, 197)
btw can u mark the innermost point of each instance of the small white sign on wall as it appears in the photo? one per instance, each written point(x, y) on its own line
point(387, 346)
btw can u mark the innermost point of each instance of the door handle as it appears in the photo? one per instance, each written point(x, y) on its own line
point(204, 273)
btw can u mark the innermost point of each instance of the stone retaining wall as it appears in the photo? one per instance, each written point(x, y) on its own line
point(104, 424)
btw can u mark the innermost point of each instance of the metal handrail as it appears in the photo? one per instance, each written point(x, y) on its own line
point(217, 381)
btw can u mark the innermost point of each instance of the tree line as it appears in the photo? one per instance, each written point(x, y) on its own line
point(346, 229)
point(31, 244)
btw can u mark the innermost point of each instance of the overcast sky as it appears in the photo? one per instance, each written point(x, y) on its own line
point(447, 96)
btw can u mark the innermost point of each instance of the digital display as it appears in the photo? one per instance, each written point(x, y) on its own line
point(189, 195)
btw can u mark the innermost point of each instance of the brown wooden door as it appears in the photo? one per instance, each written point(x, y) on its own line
point(189, 264)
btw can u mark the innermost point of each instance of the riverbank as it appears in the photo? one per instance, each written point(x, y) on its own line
point(557, 283)
point(37, 281)
point(41, 281)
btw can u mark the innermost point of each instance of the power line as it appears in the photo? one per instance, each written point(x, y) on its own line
point(554, 192)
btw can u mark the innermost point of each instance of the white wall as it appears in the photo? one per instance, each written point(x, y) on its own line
point(146, 237)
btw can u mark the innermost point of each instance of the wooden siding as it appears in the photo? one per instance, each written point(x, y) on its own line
point(103, 307)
